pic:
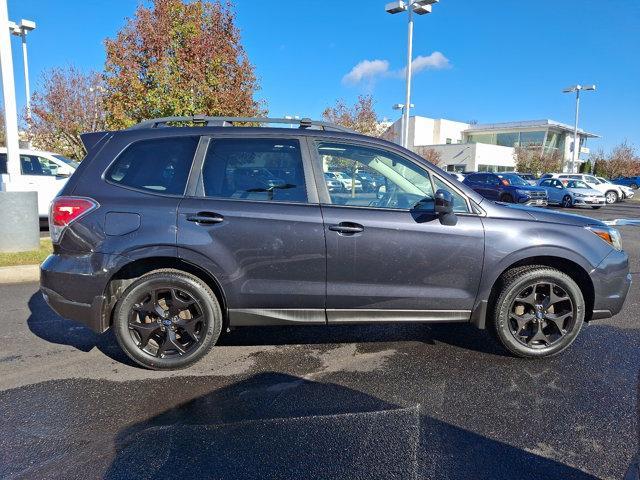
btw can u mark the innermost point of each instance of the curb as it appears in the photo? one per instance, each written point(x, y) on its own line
point(19, 274)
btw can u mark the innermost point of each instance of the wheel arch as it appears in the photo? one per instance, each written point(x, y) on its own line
point(134, 269)
point(576, 271)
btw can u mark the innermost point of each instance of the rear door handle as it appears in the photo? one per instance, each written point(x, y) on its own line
point(347, 228)
point(206, 218)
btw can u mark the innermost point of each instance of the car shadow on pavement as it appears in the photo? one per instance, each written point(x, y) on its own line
point(456, 334)
point(47, 325)
point(270, 425)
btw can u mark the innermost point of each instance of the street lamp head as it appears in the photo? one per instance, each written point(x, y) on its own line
point(572, 89)
point(27, 25)
point(589, 87)
point(395, 7)
point(398, 106)
point(421, 9)
point(425, 2)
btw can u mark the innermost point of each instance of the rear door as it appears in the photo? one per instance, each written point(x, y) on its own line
point(260, 235)
point(385, 262)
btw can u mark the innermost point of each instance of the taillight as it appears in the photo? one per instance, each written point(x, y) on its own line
point(66, 210)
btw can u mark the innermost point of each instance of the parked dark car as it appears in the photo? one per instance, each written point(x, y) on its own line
point(157, 237)
point(506, 187)
point(633, 182)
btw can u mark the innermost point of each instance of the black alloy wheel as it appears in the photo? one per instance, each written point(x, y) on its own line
point(167, 322)
point(167, 319)
point(567, 202)
point(538, 312)
point(541, 314)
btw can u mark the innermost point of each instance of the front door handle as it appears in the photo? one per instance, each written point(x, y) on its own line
point(347, 228)
point(205, 218)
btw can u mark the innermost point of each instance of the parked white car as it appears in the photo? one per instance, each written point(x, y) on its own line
point(612, 193)
point(42, 172)
point(627, 192)
point(345, 179)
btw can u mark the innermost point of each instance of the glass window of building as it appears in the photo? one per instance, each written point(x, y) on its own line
point(509, 139)
point(532, 139)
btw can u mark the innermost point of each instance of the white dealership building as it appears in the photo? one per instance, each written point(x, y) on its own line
point(488, 147)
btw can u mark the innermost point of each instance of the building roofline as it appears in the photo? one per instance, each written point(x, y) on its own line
point(544, 123)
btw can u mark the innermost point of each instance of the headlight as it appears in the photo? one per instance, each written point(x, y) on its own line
point(579, 195)
point(523, 192)
point(609, 235)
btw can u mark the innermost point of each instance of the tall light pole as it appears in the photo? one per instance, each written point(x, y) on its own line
point(21, 30)
point(420, 7)
point(400, 106)
point(9, 95)
point(576, 146)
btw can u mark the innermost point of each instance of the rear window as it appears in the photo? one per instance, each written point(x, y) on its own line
point(158, 165)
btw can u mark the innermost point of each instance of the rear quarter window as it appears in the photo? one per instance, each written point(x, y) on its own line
point(159, 165)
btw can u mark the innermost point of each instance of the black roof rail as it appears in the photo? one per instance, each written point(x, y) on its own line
point(231, 121)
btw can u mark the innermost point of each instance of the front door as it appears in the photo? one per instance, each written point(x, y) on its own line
point(251, 221)
point(386, 262)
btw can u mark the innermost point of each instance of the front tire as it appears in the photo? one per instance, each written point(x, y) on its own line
point(167, 320)
point(596, 207)
point(506, 198)
point(611, 197)
point(538, 313)
point(567, 202)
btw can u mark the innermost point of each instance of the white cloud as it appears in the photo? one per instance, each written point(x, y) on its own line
point(435, 61)
point(366, 70)
point(371, 69)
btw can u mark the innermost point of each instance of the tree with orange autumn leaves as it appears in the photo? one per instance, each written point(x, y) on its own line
point(172, 58)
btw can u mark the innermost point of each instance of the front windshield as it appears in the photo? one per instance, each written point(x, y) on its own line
point(576, 184)
point(514, 179)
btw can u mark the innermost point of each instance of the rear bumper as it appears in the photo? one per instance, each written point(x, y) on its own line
point(74, 286)
point(611, 282)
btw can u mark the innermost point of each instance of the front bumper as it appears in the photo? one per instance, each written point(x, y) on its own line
point(611, 282)
point(589, 201)
point(74, 286)
point(533, 202)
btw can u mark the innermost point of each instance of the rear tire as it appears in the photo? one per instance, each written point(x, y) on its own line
point(611, 197)
point(634, 186)
point(167, 320)
point(596, 207)
point(538, 313)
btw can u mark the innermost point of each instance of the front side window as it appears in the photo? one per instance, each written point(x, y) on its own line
point(158, 165)
point(254, 169)
point(3, 163)
point(377, 178)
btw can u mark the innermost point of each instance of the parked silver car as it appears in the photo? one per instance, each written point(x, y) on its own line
point(571, 193)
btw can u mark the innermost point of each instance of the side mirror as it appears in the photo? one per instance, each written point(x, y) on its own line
point(444, 207)
point(62, 175)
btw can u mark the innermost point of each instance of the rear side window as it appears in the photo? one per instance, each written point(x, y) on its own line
point(158, 165)
point(254, 169)
point(3, 163)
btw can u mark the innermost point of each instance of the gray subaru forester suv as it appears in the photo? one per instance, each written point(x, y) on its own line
point(173, 234)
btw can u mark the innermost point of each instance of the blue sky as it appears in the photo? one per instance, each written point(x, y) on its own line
point(494, 60)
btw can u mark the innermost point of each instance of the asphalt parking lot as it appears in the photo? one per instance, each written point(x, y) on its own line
point(401, 401)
